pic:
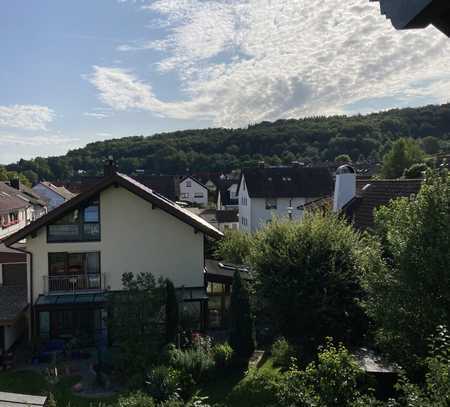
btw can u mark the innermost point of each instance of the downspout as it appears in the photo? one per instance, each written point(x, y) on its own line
point(32, 316)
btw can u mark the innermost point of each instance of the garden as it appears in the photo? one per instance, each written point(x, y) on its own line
point(318, 293)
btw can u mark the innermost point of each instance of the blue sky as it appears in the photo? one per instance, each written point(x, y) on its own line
point(72, 72)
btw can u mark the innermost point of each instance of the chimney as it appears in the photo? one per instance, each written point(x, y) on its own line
point(344, 187)
point(15, 183)
point(110, 167)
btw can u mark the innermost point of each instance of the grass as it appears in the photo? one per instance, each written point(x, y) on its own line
point(29, 382)
point(237, 388)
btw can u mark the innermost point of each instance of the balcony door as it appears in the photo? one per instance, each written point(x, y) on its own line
point(74, 271)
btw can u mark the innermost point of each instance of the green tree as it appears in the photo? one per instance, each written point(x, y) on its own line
point(172, 317)
point(412, 296)
point(403, 153)
point(234, 247)
point(431, 145)
point(342, 159)
point(241, 330)
point(415, 171)
point(308, 278)
point(135, 317)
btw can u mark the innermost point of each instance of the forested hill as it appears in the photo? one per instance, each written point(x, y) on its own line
point(212, 150)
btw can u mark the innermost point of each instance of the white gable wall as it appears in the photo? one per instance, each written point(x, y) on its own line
point(134, 238)
point(192, 191)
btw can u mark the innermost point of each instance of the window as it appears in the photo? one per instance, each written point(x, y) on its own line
point(184, 195)
point(198, 195)
point(244, 221)
point(82, 224)
point(271, 203)
point(188, 183)
point(72, 271)
point(63, 263)
point(244, 201)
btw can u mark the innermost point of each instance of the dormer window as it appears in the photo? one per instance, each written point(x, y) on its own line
point(79, 225)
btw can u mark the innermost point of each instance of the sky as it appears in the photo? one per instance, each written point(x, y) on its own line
point(73, 72)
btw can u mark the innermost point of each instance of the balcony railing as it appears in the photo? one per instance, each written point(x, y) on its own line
point(74, 283)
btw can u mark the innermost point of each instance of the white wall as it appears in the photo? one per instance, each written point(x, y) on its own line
point(245, 211)
point(134, 238)
point(261, 216)
point(14, 228)
point(54, 199)
point(195, 193)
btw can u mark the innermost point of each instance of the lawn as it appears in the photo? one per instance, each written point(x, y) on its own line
point(29, 382)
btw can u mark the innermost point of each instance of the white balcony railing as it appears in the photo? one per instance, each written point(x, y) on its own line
point(74, 283)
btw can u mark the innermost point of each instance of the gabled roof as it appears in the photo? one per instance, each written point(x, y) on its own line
point(376, 193)
point(61, 191)
point(193, 179)
point(222, 187)
point(26, 193)
point(129, 184)
point(9, 201)
point(288, 182)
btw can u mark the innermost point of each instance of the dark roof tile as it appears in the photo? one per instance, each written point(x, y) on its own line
point(288, 182)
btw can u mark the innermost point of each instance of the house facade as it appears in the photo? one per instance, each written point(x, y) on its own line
point(282, 192)
point(81, 249)
point(193, 191)
point(227, 194)
point(54, 195)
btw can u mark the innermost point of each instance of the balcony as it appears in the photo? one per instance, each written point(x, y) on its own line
point(74, 283)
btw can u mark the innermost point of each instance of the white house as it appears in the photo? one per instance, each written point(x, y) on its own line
point(54, 195)
point(81, 249)
point(268, 192)
point(227, 194)
point(192, 190)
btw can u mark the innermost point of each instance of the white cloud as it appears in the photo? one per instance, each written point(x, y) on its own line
point(96, 115)
point(242, 61)
point(27, 117)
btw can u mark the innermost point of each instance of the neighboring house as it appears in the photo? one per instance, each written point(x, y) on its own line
point(283, 192)
point(193, 191)
point(54, 195)
point(38, 206)
point(81, 249)
point(15, 212)
point(166, 185)
point(405, 14)
point(223, 220)
point(227, 219)
point(227, 196)
point(358, 198)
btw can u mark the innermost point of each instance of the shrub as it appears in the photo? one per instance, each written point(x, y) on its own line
point(137, 399)
point(258, 388)
point(193, 361)
point(222, 354)
point(163, 383)
point(282, 353)
point(332, 381)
